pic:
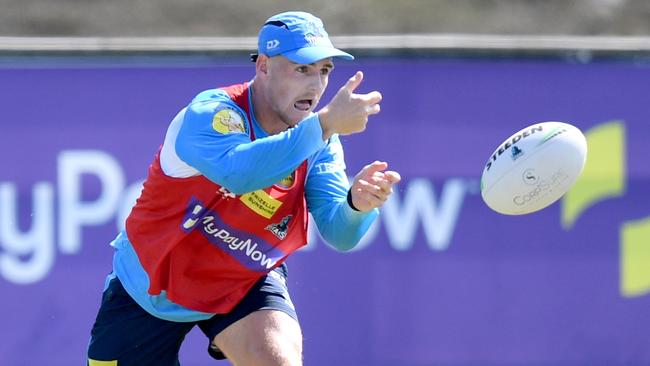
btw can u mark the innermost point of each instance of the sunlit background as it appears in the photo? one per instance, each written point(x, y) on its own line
point(87, 89)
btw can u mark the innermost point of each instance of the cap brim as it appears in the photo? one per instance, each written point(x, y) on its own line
point(310, 55)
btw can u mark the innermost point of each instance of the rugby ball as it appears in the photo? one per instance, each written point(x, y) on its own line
point(533, 168)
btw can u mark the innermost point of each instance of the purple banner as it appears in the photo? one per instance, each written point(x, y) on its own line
point(439, 279)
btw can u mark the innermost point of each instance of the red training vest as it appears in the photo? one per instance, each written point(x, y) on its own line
point(207, 247)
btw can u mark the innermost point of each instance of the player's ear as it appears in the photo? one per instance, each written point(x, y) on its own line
point(262, 64)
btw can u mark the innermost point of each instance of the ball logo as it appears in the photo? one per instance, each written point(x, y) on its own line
point(529, 177)
point(516, 152)
point(542, 187)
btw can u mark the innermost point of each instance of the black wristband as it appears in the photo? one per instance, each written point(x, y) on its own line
point(350, 200)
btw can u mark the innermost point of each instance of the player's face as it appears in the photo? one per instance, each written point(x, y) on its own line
point(294, 90)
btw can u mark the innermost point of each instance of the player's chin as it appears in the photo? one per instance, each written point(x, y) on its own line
point(298, 115)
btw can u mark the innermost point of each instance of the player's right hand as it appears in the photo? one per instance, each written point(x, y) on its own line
point(348, 112)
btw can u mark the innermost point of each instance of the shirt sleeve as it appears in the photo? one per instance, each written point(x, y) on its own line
point(229, 158)
point(326, 193)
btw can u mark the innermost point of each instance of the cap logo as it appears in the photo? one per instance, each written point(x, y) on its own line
point(315, 40)
point(274, 43)
point(314, 34)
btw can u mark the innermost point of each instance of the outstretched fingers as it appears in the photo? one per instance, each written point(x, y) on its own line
point(373, 186)
point(348, 112)
point(371, 101)
point(353, 82)
point(375, 166)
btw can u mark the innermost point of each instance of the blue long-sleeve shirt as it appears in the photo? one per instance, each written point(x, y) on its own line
point(232, 160)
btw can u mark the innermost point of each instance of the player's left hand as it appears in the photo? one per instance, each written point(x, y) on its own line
point(372, 186)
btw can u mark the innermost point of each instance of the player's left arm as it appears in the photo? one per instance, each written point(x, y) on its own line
point(331, 199)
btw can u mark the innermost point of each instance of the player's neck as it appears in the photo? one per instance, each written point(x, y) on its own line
point(267, 119)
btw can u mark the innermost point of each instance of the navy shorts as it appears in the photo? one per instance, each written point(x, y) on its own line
point(125, 333)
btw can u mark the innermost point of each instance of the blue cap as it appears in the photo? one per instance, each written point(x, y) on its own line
point(298, 36)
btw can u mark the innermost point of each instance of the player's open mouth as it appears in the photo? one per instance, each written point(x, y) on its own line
point(303, 104)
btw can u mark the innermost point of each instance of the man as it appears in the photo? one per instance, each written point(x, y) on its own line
point(226, 202)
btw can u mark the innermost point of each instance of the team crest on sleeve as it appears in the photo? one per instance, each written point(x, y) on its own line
point(228, 121)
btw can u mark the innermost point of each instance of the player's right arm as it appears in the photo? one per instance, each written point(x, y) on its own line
point(240, 165)
point(231, 159)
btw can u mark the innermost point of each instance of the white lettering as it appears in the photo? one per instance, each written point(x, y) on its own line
point(210, 229)
point(438, 219)
point(256, 255)
point(267, 262)
point(73, 212)
point(236, 243)
point(37, 241)
point(28, 254)
point(222, 234)
point(248, 248)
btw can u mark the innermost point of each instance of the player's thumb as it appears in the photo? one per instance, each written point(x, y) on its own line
point(353, 82)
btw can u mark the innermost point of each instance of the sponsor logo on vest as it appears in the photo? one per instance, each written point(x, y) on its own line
point(261, 203)
point(226, 193)
point(280, 229)
point(254, 253)
point(287, 182)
